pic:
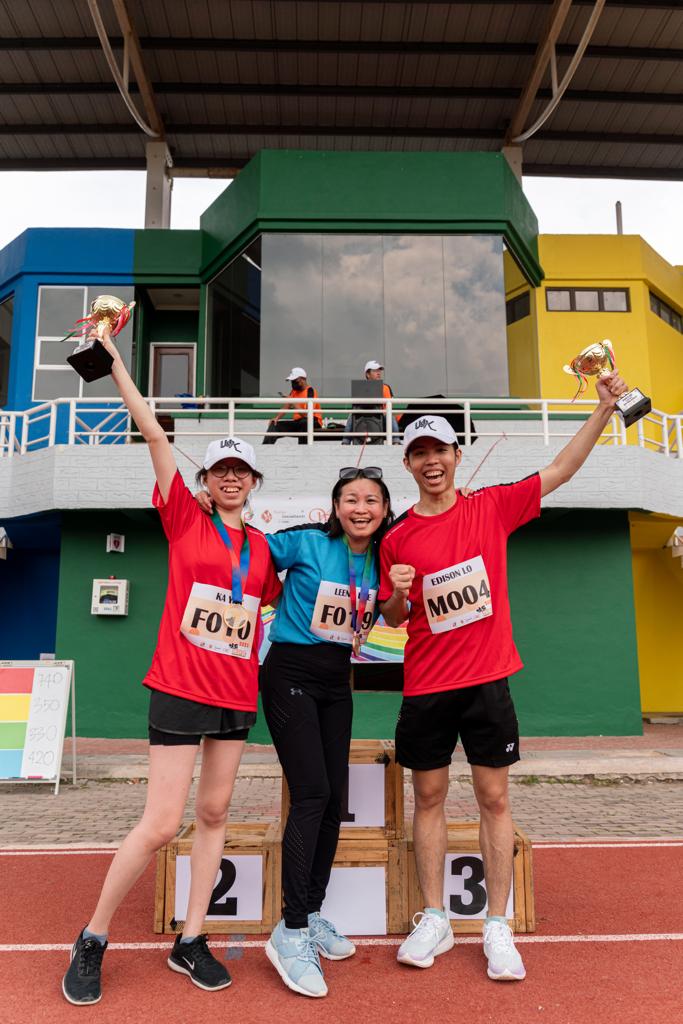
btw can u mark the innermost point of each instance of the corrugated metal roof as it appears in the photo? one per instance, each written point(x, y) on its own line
point(232, 77)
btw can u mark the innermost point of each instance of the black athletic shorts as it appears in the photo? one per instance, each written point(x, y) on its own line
point(174, 721)
point(483, 716)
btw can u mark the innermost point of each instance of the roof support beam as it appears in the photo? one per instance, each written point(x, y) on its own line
point(132, 45)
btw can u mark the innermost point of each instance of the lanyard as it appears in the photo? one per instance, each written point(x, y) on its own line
point(240, 567)
point(359, 602)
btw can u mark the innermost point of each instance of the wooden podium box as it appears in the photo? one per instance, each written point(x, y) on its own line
point(373, 808)
point(464, 889)
point(246, 898)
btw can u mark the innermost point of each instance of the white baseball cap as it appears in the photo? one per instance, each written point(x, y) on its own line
point(229, 448)
point(297, 371)
point(429, 426)
point(372, 364)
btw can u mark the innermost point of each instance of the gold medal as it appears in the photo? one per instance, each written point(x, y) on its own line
point(235, 616)
point(355, 646)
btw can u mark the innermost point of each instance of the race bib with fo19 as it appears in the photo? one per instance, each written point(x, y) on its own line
point(457, 596)
point(332, 613)
point(204, 622)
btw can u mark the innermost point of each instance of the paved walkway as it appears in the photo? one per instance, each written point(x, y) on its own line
point(564, 788)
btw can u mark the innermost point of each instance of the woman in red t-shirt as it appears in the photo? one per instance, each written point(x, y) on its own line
point(203, 681)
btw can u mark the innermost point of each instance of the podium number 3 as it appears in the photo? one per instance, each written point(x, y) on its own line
point(472, 884)
point(227, 875)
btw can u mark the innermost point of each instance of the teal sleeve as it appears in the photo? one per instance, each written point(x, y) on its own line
point(284, 548)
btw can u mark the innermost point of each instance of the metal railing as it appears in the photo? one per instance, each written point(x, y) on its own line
point(97, 421)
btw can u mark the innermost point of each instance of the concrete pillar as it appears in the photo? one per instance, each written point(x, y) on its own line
point(159, 185)
point(513, 155)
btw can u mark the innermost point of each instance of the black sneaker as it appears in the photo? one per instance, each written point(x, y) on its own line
point(81, 983)
point(197, 961)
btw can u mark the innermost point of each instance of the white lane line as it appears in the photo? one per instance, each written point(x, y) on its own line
point(461, 940)
point(108, 852)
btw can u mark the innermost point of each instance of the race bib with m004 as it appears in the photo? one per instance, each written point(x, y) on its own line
point(457, 596)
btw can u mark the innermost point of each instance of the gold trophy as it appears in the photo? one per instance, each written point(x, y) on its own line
point(91, 360)
point(598, 361)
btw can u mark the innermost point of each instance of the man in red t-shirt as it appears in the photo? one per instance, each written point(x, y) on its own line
point(444, 568)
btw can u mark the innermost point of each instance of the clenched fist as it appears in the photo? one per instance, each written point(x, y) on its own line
point(402, 577)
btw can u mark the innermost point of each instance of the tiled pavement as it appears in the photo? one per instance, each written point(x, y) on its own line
point(566, 788)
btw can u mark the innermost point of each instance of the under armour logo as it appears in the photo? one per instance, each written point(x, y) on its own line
point(296, 692)
point(510, 747)
point(231, 444)
point(425, 424)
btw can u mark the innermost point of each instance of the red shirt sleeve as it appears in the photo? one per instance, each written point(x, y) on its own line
point(518, 503)
point(179, 511)
point(386, 560)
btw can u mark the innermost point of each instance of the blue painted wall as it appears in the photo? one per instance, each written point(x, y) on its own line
point(82, 256)
point(29, 578)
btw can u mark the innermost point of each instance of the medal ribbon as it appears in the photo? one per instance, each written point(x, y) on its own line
point(359, 602)
point(240, 567)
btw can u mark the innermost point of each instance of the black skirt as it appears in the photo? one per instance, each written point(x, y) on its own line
point(188, 717)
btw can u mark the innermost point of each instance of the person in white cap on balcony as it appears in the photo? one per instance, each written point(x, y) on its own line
point(443, 567)
point(374, 371)
point(203, 683)
point(300, 391)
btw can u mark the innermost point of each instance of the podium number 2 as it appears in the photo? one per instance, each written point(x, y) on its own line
point(228, 874)
point(472, 884)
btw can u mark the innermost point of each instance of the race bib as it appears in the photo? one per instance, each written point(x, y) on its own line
point(457, 596)
point(204, 622)
point(332, 613)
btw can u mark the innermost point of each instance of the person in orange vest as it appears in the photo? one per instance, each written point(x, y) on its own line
point(301, 389)
point(375, 371)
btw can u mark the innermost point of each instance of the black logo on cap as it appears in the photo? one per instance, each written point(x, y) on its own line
point(425, 424)
point(231, 444)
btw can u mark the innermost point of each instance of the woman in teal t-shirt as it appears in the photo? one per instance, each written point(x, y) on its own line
point(327, 608)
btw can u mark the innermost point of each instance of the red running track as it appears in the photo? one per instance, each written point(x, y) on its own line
point(581, 890)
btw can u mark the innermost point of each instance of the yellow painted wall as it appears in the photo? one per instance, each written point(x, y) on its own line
point(522, 338)
point(658, 597)
point(649, 352)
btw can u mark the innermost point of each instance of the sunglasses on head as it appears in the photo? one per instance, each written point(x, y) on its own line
point(369, 472)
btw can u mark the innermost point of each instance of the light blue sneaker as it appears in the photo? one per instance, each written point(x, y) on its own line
point(294, 955)
point(431, 936)
point(330, 943)
point(504, 962)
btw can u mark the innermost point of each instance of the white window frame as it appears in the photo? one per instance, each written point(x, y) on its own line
point(39, 338)
point(171, 344)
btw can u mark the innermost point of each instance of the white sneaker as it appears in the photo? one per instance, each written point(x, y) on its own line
point(430, 937)
point(505, 963)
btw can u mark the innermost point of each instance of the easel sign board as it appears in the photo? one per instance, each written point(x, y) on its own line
point(34, 700)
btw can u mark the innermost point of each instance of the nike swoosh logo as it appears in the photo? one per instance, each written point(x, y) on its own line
point(190, 963)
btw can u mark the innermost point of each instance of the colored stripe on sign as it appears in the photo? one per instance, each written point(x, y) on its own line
point(16, 680)
point(10, 764)
point(14, 707)
point(12, 735)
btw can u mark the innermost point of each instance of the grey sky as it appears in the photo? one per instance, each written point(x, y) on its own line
point(652, 209)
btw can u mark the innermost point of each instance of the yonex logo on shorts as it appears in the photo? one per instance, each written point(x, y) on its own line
point(510, 747)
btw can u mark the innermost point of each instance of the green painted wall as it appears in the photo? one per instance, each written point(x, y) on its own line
point(571, 593)
point(409, 192)
point(572, 603)
point(162, 256)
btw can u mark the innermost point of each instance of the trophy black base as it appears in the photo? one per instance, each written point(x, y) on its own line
point(91, 361)
point(633, 406)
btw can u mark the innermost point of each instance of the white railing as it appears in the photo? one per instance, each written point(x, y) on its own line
point(97, 421)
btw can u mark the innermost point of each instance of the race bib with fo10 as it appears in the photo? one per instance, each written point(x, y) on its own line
point(332, 613)
point(204, 622)
point(457, 596)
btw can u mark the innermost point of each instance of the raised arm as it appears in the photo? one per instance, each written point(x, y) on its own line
point(567, 462)
point(159, 447)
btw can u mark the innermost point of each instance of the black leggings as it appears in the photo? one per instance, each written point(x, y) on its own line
point(308, 707)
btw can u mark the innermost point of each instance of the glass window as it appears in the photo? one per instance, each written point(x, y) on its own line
point(6, 317)
point(517, 308)
point(586, 301)
point(58, 309)
point(558, 300)
point(476, 345)
point(235, 316)
point(615, 301)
